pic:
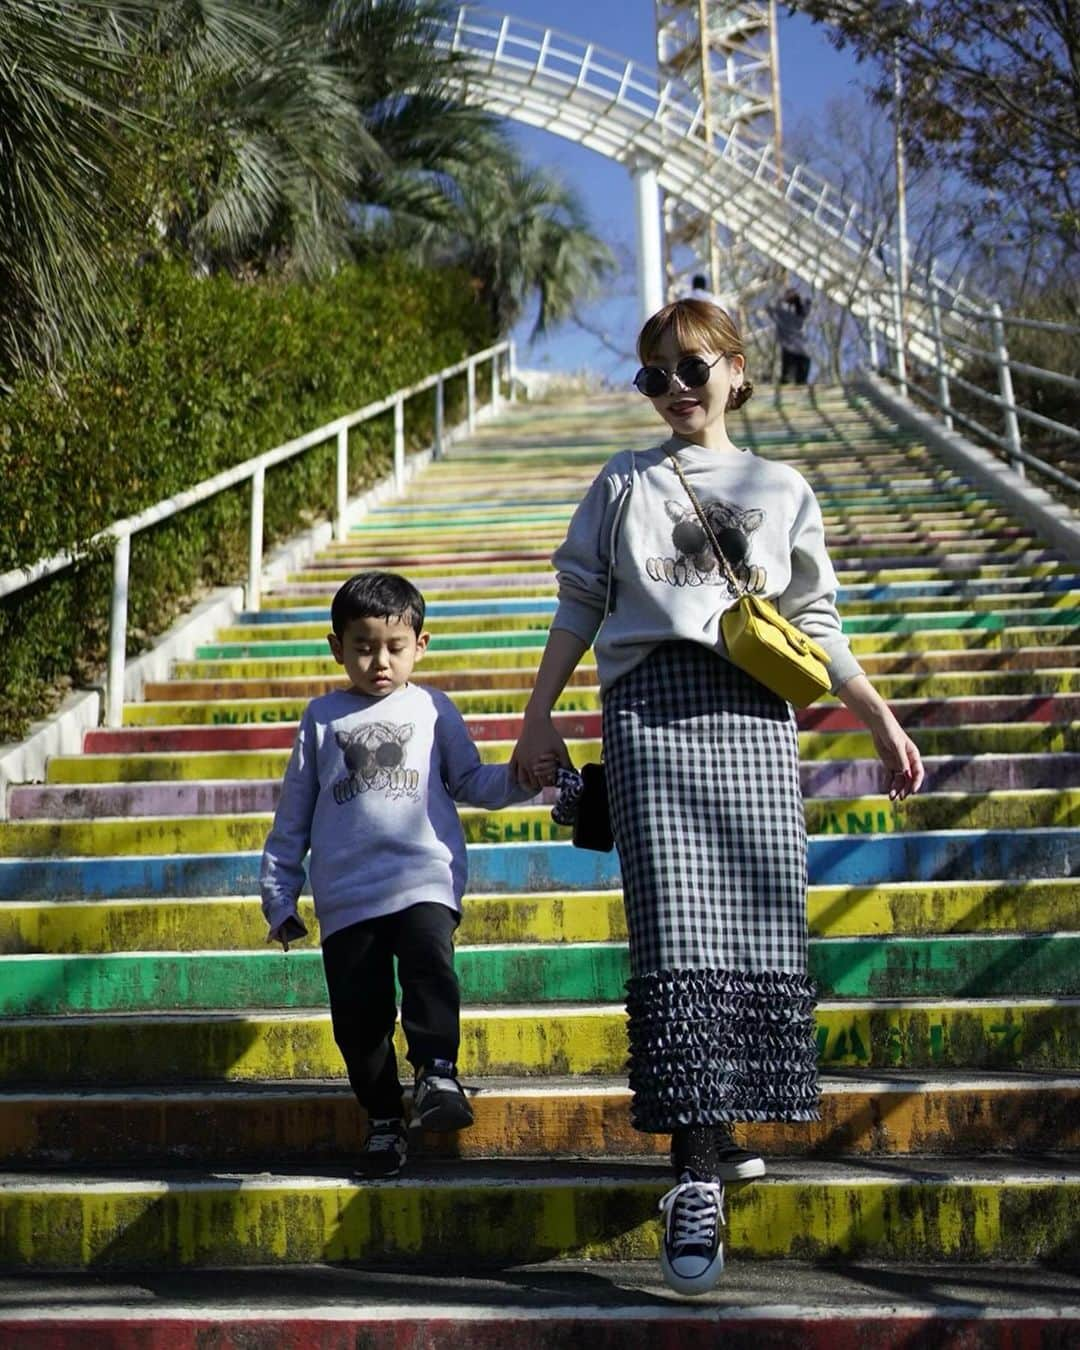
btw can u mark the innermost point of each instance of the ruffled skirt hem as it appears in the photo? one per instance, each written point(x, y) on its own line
point(711, 1047)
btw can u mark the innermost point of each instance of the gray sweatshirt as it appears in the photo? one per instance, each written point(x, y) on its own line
point(370, 789)
point(666, 585)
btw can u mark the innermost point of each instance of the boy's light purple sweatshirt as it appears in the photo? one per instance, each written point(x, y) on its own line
point(370, 790)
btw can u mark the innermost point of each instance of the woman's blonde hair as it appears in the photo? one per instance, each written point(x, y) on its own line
point(695, 324)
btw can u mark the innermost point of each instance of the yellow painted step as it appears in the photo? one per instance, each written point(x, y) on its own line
point(1041, 1035)
point(1031, 808)
point(518, 1212)
point(236, 923)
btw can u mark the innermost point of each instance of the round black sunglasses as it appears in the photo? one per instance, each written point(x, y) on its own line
point(691, 372)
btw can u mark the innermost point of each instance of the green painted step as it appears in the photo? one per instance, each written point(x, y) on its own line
point(970, 966)
point(443, 626)
point(522, 656)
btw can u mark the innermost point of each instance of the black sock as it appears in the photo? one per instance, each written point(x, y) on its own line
point(695, 1147)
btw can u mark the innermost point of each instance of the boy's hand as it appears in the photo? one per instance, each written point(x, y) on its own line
point(290, 929)
point(544, 767)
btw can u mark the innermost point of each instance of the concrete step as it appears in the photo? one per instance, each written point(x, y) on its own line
point(235, 923)
point(282, 1123)
point(1030, 1034)
point(886, 1211)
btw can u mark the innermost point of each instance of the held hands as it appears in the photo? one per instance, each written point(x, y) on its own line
point(290, 929)
point(538, 753)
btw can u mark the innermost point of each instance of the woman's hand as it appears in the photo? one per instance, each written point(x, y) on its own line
point(899, 754)
point(539, 747)
point(895, 748)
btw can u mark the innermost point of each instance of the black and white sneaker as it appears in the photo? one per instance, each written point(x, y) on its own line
point(385, 1149)
point(692, 1253)
point(438, 1101)
point(736, 1164)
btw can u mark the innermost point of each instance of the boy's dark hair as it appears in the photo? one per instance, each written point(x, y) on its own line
point(377, 595)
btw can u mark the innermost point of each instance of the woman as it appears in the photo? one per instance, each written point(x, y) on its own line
point(702, 765)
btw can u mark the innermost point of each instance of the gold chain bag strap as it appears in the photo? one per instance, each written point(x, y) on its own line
point(759, 640)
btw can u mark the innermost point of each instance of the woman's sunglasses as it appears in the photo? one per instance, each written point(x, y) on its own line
point(691, 372)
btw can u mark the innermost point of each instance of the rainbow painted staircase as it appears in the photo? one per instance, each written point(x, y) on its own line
point(171, 1096)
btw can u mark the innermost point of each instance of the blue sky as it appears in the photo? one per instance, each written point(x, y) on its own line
point(812, 73)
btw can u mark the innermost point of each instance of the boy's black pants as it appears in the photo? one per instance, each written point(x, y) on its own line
point(359, 965)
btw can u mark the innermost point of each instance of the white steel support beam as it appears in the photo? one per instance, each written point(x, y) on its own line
point(650, 263)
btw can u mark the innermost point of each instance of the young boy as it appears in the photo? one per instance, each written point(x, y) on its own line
point(370, 789)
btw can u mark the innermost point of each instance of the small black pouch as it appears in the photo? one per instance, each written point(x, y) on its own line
point(592, 827)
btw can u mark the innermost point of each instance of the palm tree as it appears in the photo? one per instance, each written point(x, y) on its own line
point(66, 174)
point(250, 135)
point(519, 232)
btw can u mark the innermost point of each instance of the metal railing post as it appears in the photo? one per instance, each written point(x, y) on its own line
point(512, 354)
point(255, 537)
point(872, 337)
point(495, 382)
point(898, 323)
point(1005, 388)
point(118, 613)
point(471, 385)
point(342, 482)
point(939, 358)
point(399, 444)
point(440, 417)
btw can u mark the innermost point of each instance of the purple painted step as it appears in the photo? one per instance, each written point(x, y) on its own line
point(832, 778)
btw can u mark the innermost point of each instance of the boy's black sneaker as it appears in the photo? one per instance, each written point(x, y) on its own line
point(692, 1253)
point(736, 1164)
point(438, 1101)
point(385, 1149)
point(729, 1161)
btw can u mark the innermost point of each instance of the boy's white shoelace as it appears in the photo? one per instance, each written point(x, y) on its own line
point(694, 1208)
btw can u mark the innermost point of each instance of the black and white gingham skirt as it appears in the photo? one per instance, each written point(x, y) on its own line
point(703, 779)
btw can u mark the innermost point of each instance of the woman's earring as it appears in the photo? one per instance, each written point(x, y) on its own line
point(733, 398)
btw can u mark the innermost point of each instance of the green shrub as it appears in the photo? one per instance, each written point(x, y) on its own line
point(205, 373)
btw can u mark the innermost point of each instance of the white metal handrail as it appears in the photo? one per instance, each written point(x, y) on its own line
point(119, 533)
point(897, 326)
point(636, 116)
